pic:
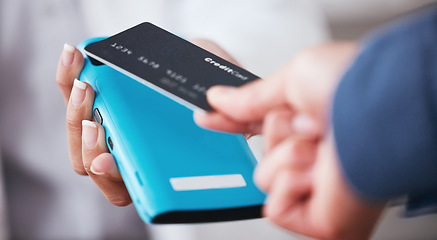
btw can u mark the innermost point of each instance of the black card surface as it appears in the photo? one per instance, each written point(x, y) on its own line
point(168, 64)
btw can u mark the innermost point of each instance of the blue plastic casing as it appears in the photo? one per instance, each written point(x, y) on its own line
point(155, 139)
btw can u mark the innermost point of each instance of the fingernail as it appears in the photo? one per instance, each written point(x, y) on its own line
point(89, 133)
point(96, 172)
point(305, 125)
point(78, 93)
point(68, 55)
point(218, 93)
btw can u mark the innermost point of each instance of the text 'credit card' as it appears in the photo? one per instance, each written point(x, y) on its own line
point(168, 64)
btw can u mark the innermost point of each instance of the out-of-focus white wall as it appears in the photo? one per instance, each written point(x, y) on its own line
point(353, 19)
point(367, 10)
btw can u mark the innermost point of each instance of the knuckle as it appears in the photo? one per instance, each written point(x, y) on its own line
point(61, 83)
point(287, 148)
point(298, 70)
point(276, 121)
point(61, 79)
point(306, 57)
point(73, 125)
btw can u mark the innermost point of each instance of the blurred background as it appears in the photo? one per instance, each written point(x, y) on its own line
point(40, 195)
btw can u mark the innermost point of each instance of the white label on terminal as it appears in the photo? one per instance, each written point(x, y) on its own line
point(207, 182)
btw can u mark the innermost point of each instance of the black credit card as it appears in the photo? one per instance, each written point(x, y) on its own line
point(168, 64)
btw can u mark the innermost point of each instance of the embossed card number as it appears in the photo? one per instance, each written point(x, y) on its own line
point(168, 64)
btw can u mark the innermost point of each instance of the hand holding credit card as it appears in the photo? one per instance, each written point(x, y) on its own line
point(168, 64)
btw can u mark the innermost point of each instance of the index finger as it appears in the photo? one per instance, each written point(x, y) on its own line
point(250, 102)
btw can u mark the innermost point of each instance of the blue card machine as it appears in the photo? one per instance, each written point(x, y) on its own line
point(175, 171)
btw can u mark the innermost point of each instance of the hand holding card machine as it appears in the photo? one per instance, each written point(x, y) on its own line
point(175, 171)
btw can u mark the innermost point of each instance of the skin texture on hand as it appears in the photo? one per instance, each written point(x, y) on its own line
point(300, 173)
point(88, 151)
point(89, 154)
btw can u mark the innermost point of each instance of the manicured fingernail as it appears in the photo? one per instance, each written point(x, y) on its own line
point(218, 93)
point(305, 125)
point(78, 93)
point(95, 171)
point(68, 55)
point(89, 133)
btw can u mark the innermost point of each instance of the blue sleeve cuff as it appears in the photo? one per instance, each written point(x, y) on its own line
point(384, 113)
